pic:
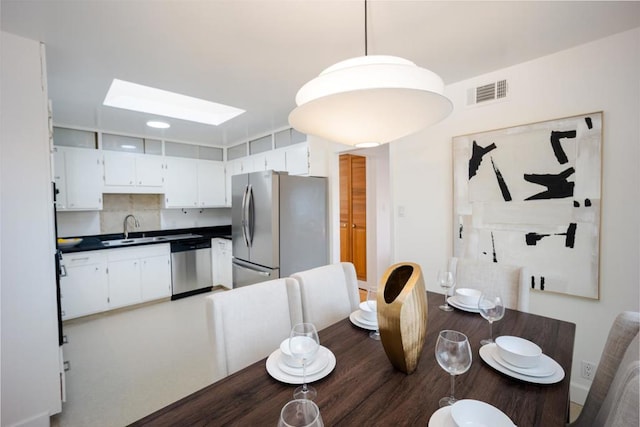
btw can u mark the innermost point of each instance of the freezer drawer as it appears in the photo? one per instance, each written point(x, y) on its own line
point(245, 273)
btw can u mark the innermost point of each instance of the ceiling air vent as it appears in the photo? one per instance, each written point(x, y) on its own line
point(494, 91)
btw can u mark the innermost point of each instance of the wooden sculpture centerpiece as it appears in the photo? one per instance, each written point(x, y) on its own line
point(402, 315)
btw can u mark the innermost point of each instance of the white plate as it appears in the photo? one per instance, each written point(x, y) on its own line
point(362, 319)
point(460, 306)
point(359, 323)
point(488, 351)
point(442, 418)
point(474, 413)
point(545, 368)
point(278, 374)
point(318, 364)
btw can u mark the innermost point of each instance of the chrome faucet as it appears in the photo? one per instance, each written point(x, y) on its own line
point(126, 224)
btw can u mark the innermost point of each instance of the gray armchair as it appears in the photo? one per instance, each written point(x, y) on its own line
point(613, 398)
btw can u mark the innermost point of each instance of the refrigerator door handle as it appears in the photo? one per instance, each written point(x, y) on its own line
point(250, 214)
point(245, 214)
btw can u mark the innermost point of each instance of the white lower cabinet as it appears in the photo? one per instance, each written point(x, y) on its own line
point(84, 288)
point(98, 281)
point(138, 274)
point(221, 262)
point(155, 277)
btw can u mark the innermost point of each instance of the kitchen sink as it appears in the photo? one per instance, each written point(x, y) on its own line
point(139, 240)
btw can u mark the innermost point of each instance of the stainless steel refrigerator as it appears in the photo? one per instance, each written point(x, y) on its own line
point(279, 225)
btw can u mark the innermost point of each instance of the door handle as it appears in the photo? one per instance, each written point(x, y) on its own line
point(250, 214)
point(353, 226)
point(244, 215)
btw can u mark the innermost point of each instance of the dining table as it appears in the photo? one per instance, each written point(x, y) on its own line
point(365, 389)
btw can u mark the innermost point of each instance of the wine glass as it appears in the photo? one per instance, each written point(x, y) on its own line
point(300, 413)
point(445, 280)
point(491, 308)
point(372, 303)
point(304, 344)
point(453, 354)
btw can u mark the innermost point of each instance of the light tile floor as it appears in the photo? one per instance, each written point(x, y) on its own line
point(129, 363)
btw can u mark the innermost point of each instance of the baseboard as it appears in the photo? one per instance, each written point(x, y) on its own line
point(578, 393)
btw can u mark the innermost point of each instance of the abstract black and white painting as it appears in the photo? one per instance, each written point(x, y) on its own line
point(530, 196)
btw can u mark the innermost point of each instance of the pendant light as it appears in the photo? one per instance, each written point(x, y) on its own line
point(370, 100)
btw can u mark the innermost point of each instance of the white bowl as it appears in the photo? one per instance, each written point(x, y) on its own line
point(468, 296)
point(518, 351)
point(369, 313)
point(288, 358)
point(474, 413)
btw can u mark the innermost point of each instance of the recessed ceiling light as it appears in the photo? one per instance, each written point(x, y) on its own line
point(136, 97)
point(158, 124)
point(128, 147)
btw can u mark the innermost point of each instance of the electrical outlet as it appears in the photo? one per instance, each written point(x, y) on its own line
point(588, 370)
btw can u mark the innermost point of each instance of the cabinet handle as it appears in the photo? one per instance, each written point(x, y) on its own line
point(80, 259)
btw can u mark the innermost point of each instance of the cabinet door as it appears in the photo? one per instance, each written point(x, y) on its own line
point(60, 178)
point(276, 160)
point(181, 184)
point(232, 167)
point(155, 273)
point(84, 179)
point(124, 283)
point(297, 159)
point(119, 168)
point(83, 291)
point(149, 170)
point(211, 183)
point(225, 264)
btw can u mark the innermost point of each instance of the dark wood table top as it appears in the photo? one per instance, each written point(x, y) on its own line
point(364, 389)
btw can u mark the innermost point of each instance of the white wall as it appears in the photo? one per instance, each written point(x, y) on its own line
point(599, 76)
point(30, 361)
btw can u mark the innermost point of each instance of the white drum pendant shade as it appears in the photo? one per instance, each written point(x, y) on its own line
point(370, 99)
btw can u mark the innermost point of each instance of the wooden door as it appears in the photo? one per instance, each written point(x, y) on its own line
point(353, 212)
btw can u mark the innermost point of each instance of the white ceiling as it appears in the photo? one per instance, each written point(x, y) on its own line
point(255, 54)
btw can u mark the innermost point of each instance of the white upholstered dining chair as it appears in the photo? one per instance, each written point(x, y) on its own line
point(246, 324)
point(511, 281)
point(613, 398)
point(329, 293)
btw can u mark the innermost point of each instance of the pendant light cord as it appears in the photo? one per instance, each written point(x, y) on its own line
point(365, 28)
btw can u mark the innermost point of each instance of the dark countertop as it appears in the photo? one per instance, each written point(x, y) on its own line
point(92, 243)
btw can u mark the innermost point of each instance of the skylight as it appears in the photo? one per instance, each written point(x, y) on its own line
point(145, 99)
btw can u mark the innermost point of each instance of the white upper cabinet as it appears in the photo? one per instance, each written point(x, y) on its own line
point(82, 178)
point(193, 183)
point(60, 178)
point(181, 183)
point(297, 159)
point(133, 173)
point(211, 183)
point(149, 171)
point(132, 165)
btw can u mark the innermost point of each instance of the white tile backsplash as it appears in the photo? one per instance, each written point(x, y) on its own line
point(145, 207)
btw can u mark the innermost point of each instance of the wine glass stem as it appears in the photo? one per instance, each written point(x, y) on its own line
point(453, 385)
point(445, 297)
point(304, 376)
point(490, 330)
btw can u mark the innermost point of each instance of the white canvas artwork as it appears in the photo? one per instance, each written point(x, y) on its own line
point(530, 196)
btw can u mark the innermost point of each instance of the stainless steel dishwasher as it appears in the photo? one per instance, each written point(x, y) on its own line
point(190, 267)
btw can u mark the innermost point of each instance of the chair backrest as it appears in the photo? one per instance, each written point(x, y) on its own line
point(246, 324)
point(329, 293)
point(613, 396)
point(482, 275)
